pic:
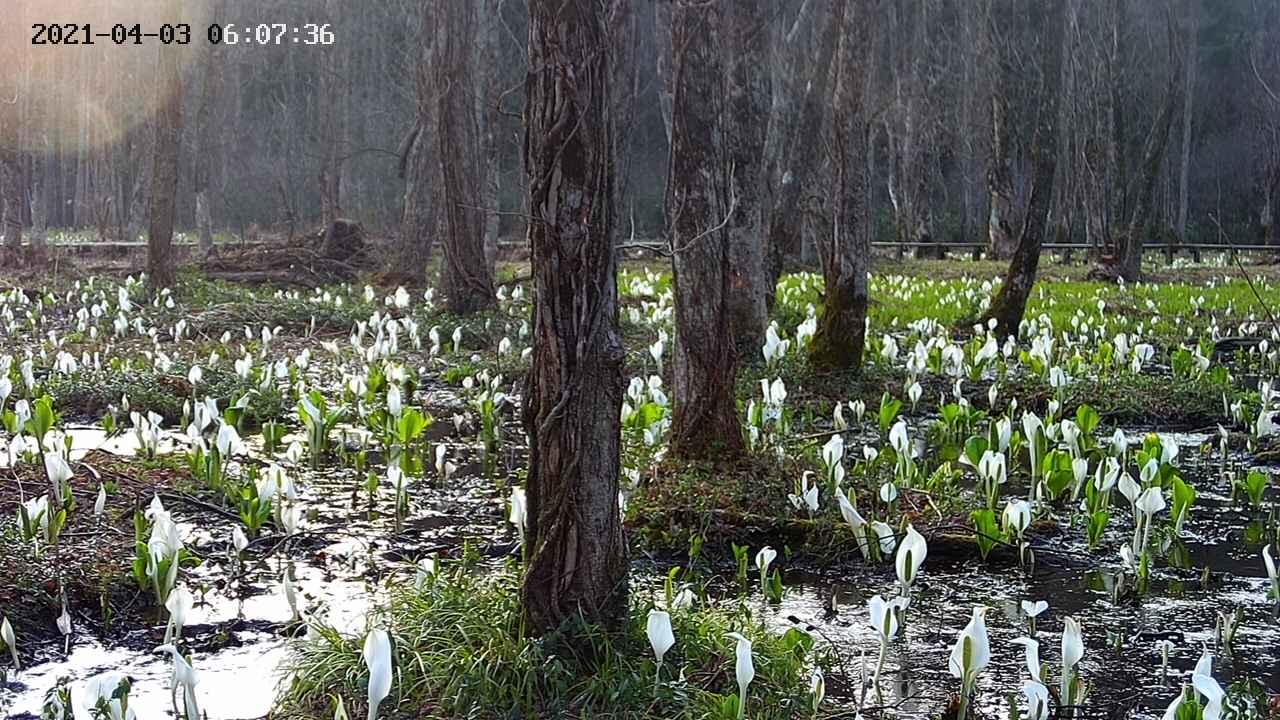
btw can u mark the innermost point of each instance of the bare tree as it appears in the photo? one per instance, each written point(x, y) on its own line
point(466, 277)
point(1140, 188)
point(1001, 222)
point(168, 142)
point(909, 122)
point(841, 333)
point(699, 206)
point(419, 165)
point(746, 120)
point(577, 564)
point(487, 98)
point(1009, 305)
point(1190, 66)
point(12, 198)
point(1264, 63)
point(143, 149)
point(208, 136)
point(332, 103)
point(799, 112)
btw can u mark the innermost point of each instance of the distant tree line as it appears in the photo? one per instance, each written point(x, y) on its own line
point(1169, 121)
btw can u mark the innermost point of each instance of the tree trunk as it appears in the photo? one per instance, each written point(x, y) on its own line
point(332, 101)
point(1128, 264)
point(419, 166)
point(841, 333)
point(662, 19)
point(489, 82)
point(746, 122)
point(207, 138)
point(1010, 304)
point(12, 197)
point(1188, 102)
point(164, 190)
point(577, 564)
point(629, 39)
point(144, 150)
point(466, 276)
point(1270, 199)
point(908, 126)
point(705, 421)
point(1000, 219)
point(799, 153)
point(40, 183)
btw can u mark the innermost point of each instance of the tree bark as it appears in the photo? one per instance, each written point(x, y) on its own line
point(799, 153)
point(164, 190)
point(1188, 102)
point(698, 207)
point(486, 100)
point(907, 126)
point(140, 188)
point(662, 20)
point(841, 333)
point(419, 166)
point(1001, 222)
point(466, 277)
point(577, 564)
point(40, 182)
point(746, 122)
point(1010, 304)
point(1128, 262)
point(207, 139)
point(12, 197)
point(332, 102)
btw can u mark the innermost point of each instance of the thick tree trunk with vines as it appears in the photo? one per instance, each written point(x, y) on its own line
point(164, 188)
point(466, 277)
point(1010, 304)
point(746, 122)
point(705, 420)
point(841, 333)
point(577, 564)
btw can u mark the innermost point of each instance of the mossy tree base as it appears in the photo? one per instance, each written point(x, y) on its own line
point(841, 334)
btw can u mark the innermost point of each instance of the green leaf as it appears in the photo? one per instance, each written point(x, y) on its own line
point(412, 423)
point(974, 449)
point(889, 408)
point(1088, 419)
point(1184, 496)
point(987, 532)
point(797, 641)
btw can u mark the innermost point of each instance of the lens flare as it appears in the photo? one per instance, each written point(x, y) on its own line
point(64, 80)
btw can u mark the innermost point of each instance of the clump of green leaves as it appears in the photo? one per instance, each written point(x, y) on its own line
point(1255, 483)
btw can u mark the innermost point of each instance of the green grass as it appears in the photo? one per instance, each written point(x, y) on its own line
point(1164, 310)
point(459, 653)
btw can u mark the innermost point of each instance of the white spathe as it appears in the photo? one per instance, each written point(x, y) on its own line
point(377, 658)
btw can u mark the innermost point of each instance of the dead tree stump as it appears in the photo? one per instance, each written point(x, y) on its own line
point(342, 240)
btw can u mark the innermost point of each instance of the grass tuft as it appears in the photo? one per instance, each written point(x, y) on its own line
point(460, 653)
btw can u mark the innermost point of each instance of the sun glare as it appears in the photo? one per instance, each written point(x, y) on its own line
point(85, 72)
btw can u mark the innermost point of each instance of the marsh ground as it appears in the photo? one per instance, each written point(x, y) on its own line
point(352, 548)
